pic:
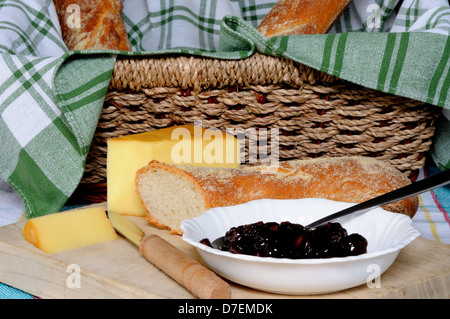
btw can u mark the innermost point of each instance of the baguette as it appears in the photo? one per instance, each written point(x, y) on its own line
point(289, 17)
point(92, 24)
point(173, 193)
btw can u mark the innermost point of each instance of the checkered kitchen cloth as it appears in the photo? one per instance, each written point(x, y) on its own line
point(50, 99)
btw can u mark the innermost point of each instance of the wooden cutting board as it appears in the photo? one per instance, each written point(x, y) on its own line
point(117, 270)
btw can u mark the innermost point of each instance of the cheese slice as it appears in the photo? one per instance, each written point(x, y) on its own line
point(68, 230)
point(186, 144)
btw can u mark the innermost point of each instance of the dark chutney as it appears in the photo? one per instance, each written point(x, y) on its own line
point(290, 240)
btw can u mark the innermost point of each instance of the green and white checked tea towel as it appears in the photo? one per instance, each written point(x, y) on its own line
point(50, 99)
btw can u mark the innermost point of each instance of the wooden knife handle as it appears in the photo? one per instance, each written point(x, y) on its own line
point(200, 281)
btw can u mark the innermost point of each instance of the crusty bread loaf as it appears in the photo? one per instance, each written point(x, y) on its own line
point(289, 17)
point(92, 24)
point(172, 193)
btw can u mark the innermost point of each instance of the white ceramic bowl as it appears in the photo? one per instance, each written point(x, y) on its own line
point(387, 233)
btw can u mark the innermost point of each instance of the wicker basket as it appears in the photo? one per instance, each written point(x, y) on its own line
point(316, 114)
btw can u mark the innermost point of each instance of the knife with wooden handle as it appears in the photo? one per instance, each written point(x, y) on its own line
point(200, 281)
point(289, 17)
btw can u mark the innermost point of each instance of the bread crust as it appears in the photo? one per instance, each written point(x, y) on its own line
point(346, 179)
point(100, 24)
point(289, 17)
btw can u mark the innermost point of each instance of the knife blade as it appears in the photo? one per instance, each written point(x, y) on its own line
point(200, 281)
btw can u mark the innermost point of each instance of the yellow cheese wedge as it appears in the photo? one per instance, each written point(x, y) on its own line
point(69, 230)
point(186, 144)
